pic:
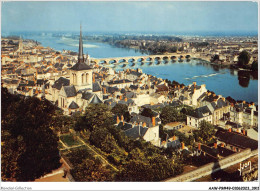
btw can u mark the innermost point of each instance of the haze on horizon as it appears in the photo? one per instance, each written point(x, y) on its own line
point(130, 16)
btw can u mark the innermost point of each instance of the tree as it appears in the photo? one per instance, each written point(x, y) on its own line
point(91, 171)
point(121, 109)
point(254, 66)
point(29, 146)
point(243, 58)
point(96, 116)
point(169, 114)
point(147, 112)
point(215, 57)
point(205, 133)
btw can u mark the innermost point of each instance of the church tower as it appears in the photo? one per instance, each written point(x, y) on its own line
point(81, 72)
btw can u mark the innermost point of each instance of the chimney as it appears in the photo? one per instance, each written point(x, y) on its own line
point(230, 130)
point(120, 97)
point(194, 84)
point(122, 118)
point(178, 86)
point(93, 78)
point(234, 149)
point(117, 120)
point(244, 132)
point(244, 102)
point(174, 138)
point(215, 145)
point(199, 146)
point(253, 103)
point(144, 124)
point(125, 99)
point(104, 90)
point(153, 121)
point(182, 145)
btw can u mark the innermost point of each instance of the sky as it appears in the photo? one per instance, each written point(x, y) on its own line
point(130, 16)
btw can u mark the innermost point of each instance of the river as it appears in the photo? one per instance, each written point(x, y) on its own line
point(222, 81)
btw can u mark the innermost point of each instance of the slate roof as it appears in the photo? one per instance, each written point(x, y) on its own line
point(81, 66)
point(125, 126)
point(136, 132)
point(61, 82)
point(70, 91)
point(174, 144)
point(147, 120)
point(73, 105)
point(87, 95)
point(119, 81)
point(236, 139)
point(130, 95)
point(96, 87)
point(133, 87)
point(111, 90)
point(96, 99)
point(198, 113)
point(138, 74)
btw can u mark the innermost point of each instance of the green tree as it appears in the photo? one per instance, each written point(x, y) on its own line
point(169, 114)
point(96, 116)
point(243, 58)
point(205, 133)
point(91, 171)
point(147, 112)
point(254, 66)
point(29, 146)
point(121, 109)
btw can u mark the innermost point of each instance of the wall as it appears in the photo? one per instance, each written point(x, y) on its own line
point(213, 167)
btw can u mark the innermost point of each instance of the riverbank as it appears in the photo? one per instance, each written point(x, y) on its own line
point(218, 78)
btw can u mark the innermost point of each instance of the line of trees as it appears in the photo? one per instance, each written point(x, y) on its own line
point(29, 146)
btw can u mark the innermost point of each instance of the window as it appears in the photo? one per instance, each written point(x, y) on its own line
point(87, 76)
point(82, 78)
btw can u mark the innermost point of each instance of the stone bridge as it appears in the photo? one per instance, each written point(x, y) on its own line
point(143, 58)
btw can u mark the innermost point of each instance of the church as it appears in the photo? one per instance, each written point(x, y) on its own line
point(75, 94)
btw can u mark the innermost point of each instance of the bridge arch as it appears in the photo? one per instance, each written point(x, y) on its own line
point(102, 62)
point(112, 61)
point(131, 60)
point(149, 59)
point(122, 60)
point(165, 58)
point(140, 59)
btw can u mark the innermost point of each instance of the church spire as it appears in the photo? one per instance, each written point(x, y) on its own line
point(80, 56)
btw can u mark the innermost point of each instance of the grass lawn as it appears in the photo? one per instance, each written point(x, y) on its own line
point(69, 140)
